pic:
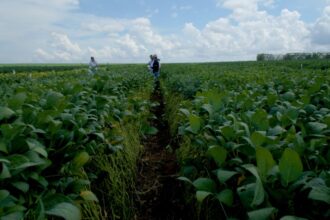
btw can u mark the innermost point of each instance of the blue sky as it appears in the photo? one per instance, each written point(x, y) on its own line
point(179, 31)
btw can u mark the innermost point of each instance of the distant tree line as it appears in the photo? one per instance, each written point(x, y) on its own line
point(293, 56)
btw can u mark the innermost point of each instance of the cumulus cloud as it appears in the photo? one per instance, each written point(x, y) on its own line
point(57, 31)
point(248, 31)
point(321, 29)
point(61, 48)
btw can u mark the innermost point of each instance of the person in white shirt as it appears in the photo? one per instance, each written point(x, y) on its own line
point(92, 66)
point(150, 63)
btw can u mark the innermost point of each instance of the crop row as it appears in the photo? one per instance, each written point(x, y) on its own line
point(254, 138)
point(59, 132)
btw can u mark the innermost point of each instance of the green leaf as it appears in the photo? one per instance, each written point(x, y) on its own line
point(17, 100)
point(205, 184)
point(13, 216)
point(226, 196)
point(277, 130)
point(258, 138)
point(23, 186)
point(65, 210)
point(208, 108)
point(5, 173)
point(18, 161)
point(215, 99)
point(246, 194)
point(292, 113)
point(80, 159)
point(228, 132)
point(265, 161)
point(185, 179)
point(262, 214)
point(54, 99)
point(185, 112)
point(316, 127)
point(4, 194)
point(201, 195)
point(6, 113)
point(289, 217)
point(224, 175)
point(195, 123)
point(260, 120)
point(259, 192)
point(37, 147)
point(218, 153)
point(151, 130)
point(289, 96)
point(3, 147)
point(88, 196)
point(320, 193)
point(290, 166)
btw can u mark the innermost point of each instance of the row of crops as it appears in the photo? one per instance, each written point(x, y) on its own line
point(69, 142)
point(254, 138)
point(27, 68)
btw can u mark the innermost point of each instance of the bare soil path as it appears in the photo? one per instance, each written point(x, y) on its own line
point(158, 192)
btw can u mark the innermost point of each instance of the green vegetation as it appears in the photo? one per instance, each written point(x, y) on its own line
point(69, 142)
point(253, 139)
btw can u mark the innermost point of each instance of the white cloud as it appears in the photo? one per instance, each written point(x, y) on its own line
point(62, 48)
point(321, 29)
point(34, 34)
point(227, 38)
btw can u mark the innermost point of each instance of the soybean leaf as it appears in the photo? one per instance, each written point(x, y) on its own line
point(205, 184)
point(23, 186)
point(185, 179)
point(277, 130)
point(289, 217)
point(17, 100)
point(258, 138)
point(259, 193)
point(246, 194)
point(320, 193)
point(224, 175)
point(195, 123)
point(262, 214)
point(6, 113)
point(88, 196)
point(201, 195)
point(208, 108)
point(290, 166)
point(265, 161)
point(151, 130)
point(65, 210)
point(185, 112)
point(80, 159)
point(18, 161)
point(4, 194)
point(3, 147)
point(218, 153)
point(228, 132)
point(37, 147)
point(12, 216)
point(5, 173)
point(260, 120)
point(316, 127)
point(226, 196)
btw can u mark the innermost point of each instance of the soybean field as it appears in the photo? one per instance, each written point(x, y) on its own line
point(234, 140)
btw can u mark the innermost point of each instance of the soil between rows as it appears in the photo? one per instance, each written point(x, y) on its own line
point(158, 192)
